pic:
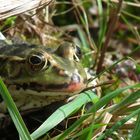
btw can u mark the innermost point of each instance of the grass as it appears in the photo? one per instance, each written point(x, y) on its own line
point(66, 110)
point(118, 101)
point(14, 113)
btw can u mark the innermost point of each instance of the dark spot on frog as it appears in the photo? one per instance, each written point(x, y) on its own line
point(15, 99)
point(34, 85)
point(35, 105)
point(18, 87)
point(39, 87)
point(41, 103)
point(61, 86)
point(25, 86)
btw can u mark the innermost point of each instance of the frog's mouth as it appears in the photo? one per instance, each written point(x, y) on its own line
point(75, 85)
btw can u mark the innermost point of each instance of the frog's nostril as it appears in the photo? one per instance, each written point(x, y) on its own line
point(75, 78)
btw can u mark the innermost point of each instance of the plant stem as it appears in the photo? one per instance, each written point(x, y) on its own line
point(108, 36)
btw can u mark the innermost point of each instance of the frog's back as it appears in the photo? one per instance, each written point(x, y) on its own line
point(15, 49)
point(23, 48)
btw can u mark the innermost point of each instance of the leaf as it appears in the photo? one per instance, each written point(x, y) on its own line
point(63, 112)
point(136, 131)
point(103, 101)
point(138, 68)
point(14, 113)
point(118, 124)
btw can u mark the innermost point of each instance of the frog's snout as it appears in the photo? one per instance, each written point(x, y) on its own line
point(74, 77)
point(77, 84)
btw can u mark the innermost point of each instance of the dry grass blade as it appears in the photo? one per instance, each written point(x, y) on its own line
point(106, 120)
point(13, 7)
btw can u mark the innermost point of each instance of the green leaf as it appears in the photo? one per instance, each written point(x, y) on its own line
point(102, 22)
point(87, 129)
point(63, 112)
point(136, 131)
point(8, 22)
point(103, 101)
point(118, 124)
point(106, 99)
point(126, 101)
point(14, 113)
point(138, 68)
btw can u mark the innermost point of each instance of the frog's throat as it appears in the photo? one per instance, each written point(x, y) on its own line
point(29, 102)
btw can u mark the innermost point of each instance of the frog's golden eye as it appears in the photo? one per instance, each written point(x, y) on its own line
point(36, 62)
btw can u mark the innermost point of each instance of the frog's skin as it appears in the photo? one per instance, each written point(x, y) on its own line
point(39, 75)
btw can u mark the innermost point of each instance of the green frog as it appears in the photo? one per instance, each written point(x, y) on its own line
point(37, 76)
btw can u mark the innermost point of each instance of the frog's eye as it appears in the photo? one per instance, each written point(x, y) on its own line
point(36, 62)
point(66, 50)
point(78, 52)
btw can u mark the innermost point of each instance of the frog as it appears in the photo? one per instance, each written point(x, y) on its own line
point(37, 75)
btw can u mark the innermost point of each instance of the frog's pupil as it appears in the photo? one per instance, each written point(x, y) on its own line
point(35, 60)
point(78, 52)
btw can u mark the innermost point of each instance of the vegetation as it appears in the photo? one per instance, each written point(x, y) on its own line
point(108, 34)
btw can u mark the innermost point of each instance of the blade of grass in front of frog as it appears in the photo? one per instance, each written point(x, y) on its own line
point(121, 107)
point(103, 101)
point(136, 131)
point(130, 99)
point(14, 113)
point(79, 134)
point(63, 112)
point(85, 131)
point(118, 124)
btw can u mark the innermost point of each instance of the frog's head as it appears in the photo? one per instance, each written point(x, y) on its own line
point(46, 71)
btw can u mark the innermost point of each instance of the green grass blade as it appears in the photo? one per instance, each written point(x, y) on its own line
point(131, 15)
point(82, 37)
point(103, 101)
point(126, 101)
point(136, 131)
point(118, 124)
point(87, 129)
point(106, 99)
point(63, 112)
point(86, 24)
point(102, 22)
point(14, 113)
